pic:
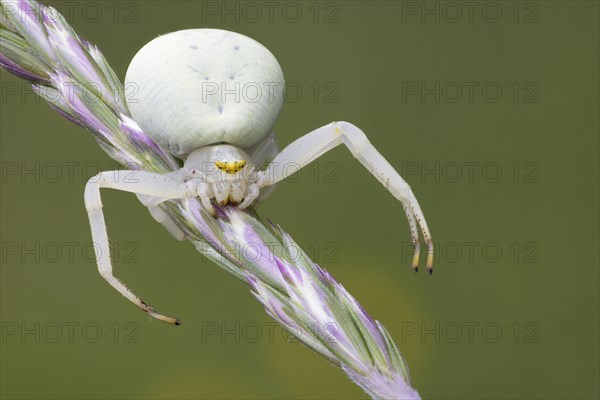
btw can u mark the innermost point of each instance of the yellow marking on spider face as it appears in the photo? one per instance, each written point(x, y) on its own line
point(230, 167)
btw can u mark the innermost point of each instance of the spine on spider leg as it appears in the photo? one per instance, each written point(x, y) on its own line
point(38, 45)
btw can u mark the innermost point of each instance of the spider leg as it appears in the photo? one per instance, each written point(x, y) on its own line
point(262, 152)
point(316, 143)
point(414, 233)
point(138, 182)
point(206, 194)
point(252, 194)
point(161, 216)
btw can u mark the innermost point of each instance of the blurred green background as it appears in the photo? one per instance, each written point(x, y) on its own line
point(507, 176)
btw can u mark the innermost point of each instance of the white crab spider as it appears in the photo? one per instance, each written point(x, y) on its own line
point(211, 97)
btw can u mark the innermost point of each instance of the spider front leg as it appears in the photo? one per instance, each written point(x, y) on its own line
point(138, 182)
point(314, 144)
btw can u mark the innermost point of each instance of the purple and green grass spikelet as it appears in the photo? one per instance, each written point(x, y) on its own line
point(72, 75)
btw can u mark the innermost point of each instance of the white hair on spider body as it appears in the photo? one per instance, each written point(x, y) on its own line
point(197, 87)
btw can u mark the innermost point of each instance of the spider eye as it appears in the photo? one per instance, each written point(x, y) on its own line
point(230, 167)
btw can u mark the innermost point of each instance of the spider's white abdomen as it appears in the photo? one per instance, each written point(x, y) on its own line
point(197, 87)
